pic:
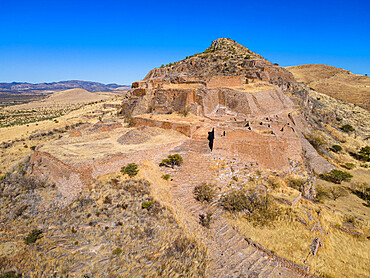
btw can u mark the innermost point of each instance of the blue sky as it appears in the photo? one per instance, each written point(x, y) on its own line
point(115, 41)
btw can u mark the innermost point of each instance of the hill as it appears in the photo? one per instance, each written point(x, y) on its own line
point(67, 97)
point(19, 87)
point(335, 82)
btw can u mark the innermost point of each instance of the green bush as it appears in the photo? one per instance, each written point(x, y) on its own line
point(336, 148)
point(336, 176)
point(147, 205)
point(130, 169)
point(172, 160)
point(204, 192)
point(316, 141)
point(365, 153)
point(117, 251)
point(295, 183)
point(166, 177)
point(347, 128)
point(33, 236)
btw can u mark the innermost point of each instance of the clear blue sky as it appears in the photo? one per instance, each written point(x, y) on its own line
point(114, 41)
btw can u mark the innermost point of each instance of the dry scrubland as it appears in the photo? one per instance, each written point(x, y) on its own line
point(115, 226)
point(51, 107)
point(212, 212)
point(339, 216)
point(335, 82)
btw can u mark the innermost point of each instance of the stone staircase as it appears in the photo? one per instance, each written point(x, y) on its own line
point(230, 254)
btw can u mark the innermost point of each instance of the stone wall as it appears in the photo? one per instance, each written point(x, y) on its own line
point(71, 177)
point(267, 151)
point(186, 129)
point(225, 81)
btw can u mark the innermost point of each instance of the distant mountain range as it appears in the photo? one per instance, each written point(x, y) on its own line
point(22, 87)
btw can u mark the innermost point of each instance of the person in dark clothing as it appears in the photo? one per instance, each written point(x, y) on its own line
point(211, 137)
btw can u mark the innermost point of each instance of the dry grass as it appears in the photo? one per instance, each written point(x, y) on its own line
point(335, 82)
point(343, 255)
point(105, 227)
point(309, 73)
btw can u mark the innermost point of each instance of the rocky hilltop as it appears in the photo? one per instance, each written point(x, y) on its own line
point(247, 101)
point(224, 57)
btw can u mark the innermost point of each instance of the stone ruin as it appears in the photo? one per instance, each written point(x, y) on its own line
point(244, 98)
point(237, 99)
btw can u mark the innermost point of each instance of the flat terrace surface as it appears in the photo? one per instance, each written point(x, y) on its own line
point(246, 88)
point(100, 140)
point(174, 118)
point(253, 87)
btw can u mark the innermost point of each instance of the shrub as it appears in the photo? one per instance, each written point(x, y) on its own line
point(10, 274)
point(365, 153)
point(204, 192)
point(234, 178)
point(362, 191)
point(172, 160)
point(265, 215)
point(364, 165)
point(33, 236)
point(336, 148)
point(117, 251)
point(239, 200)
point(347, 128)
point(295, 183)
point(130, 169)
point(348, 166)
point(166, 177)
point(205, 219)
point(336, 176)
point(276, 182)
point(321, 194)
point(316, 141)
point(147, 205)
point(337, 192)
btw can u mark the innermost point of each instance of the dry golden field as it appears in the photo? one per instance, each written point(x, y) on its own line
point(335, 82)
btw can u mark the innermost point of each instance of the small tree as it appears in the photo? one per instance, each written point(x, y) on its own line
point(204, 192)
point(336, 176)
point(33, 236)
point(365, 153)
point(336, 148)
point(172, 160)
point(130, 169)
point(347, 128)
